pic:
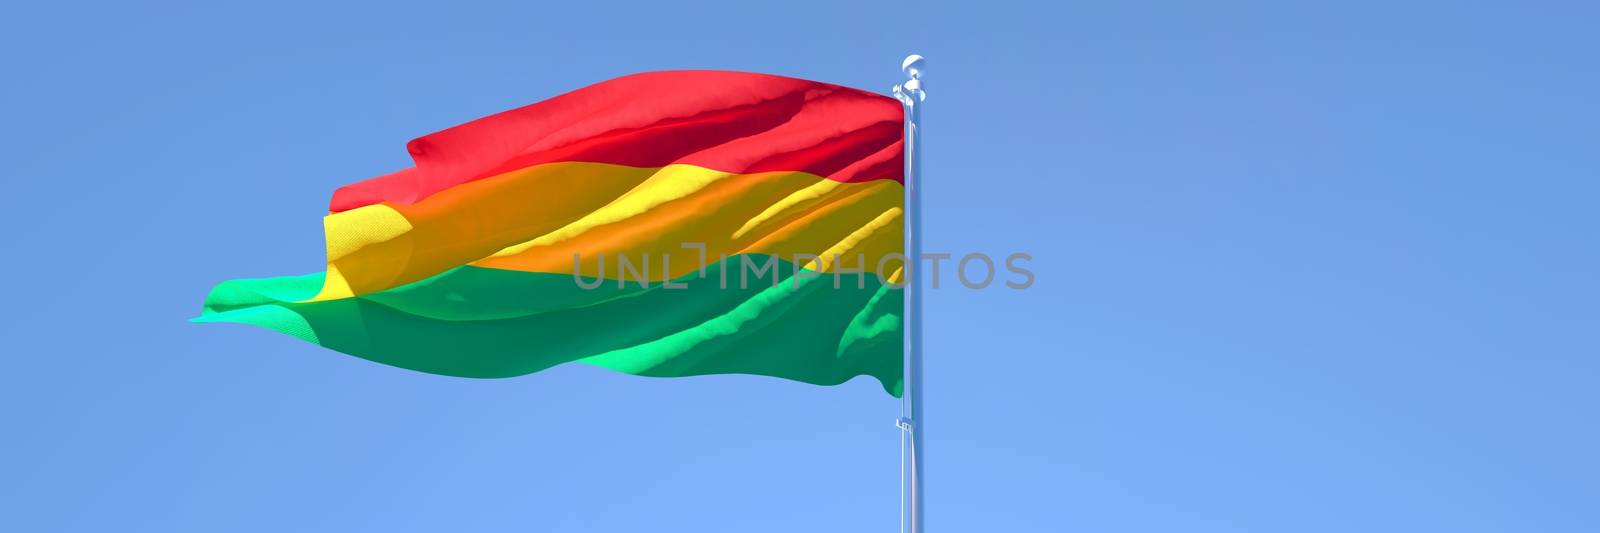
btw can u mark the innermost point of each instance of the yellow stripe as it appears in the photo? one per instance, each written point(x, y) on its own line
point(535, 219)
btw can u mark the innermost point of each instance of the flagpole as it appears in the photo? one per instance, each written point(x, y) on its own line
point(911, 423)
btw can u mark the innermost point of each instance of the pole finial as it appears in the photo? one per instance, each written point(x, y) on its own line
point(911, 92)
point(913, 66)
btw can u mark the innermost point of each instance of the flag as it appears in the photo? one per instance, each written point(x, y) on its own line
point(663, 224)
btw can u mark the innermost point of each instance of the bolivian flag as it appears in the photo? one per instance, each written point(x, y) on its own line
point(661, 224)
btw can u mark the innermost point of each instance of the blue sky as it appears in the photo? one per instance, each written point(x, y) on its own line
point(1299, 269)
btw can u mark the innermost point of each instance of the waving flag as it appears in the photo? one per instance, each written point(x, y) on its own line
point(661, 224)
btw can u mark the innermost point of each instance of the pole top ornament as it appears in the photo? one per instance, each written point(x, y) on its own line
point(910, 92)
point(913, 66)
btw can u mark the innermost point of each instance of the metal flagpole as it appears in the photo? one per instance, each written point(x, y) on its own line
point(911, 423)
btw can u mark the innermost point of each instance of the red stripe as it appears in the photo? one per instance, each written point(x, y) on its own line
point(729, 121)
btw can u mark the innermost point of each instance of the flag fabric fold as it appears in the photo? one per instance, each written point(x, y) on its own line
point(662, 224)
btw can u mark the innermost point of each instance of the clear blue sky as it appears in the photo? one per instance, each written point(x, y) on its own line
point(1299, 269)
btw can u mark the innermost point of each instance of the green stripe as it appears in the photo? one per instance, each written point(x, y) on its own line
point(490, 323)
